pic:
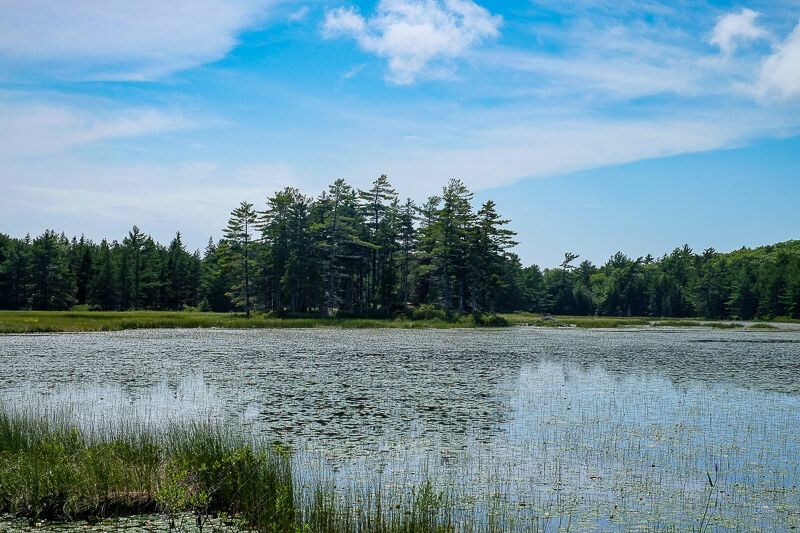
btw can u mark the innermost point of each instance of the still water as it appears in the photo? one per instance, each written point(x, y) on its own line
point(591, 428)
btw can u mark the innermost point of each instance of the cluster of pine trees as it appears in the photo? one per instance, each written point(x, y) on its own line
point(364, 252)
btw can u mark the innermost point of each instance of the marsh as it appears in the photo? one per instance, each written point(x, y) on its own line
point(662, 428)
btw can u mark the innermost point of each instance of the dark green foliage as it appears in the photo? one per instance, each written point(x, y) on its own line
point(239, 259)
point(364, 254)
point(52, 281)
point(745, 284)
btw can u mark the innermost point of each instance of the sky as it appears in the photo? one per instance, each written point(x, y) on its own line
point(595, 125)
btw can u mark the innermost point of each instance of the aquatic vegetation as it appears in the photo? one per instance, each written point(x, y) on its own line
point(516, 429)
point(51, 469)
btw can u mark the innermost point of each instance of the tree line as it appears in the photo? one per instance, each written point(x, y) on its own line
point(355, 252)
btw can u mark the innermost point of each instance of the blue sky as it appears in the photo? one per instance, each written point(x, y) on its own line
point(596, 126)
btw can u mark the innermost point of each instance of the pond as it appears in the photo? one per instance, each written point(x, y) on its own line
point(579, 429)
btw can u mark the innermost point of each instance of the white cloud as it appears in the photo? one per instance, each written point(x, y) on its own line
point(547, 146)
point(413, 35)
point(780, 71)
point(736, 28)
point(31, 129)
point(122, 40)
point(620, 76)
point(299, 14)
point(105, 200)
point(353, 71)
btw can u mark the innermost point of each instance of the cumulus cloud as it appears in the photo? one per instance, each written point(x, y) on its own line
point(122, 40)
point(735, 28)
point(780, 71)
point(415, 34)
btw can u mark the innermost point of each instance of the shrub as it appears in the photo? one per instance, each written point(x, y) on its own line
point(488, 320)
point(428, 312)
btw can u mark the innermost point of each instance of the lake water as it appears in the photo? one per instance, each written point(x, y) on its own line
point(591, 428)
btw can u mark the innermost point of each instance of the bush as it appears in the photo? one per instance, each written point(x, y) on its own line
point(428, 312)
point(488, 320)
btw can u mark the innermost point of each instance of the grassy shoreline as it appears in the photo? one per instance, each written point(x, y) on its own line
point(77, 321)
point(14, 322)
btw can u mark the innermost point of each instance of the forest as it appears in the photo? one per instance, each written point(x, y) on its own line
point(350, 252)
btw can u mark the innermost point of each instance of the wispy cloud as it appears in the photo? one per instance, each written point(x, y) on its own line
point(546, 146)
point(414, 35)
point(119, 40)
point(190, 196)
point(299, 14)
point(32, 129)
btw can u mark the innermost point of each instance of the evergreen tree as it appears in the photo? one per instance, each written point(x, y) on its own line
point(453, 221)
point(407, 244)
point(240, 254)
point(216, 283)
point(102, 287)
point(489, 241)
point(379, 209)
point(53, 285)
point(15, 273)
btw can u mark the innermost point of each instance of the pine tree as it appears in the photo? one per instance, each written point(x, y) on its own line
point(134, 244)
point(425, 271)
point(376, 210)
point(177, 274)
point(337, 231)
point(489, 241)
point(453, 221)
point(102, 287)
point(407, 238)
point(215, 284)
point(240, 254)
point(53, 285)
point(15, 273)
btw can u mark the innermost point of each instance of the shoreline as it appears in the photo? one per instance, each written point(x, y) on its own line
point(30, 322)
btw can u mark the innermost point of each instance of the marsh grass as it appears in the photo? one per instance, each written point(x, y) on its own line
point(697, 323)
point(51, 469)
point(54, 467)
point(762, 325)
point(74, 321)
point(611, 322)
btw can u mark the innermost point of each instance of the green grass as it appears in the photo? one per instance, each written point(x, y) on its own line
point(762, 325)
point(52, 471)
point(696, 323)
point(73, 321)
point(533, 319)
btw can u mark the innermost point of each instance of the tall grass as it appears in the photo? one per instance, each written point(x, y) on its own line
point(50, 469)
point(70, 321)
point(615, 322)
point(53, 467)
